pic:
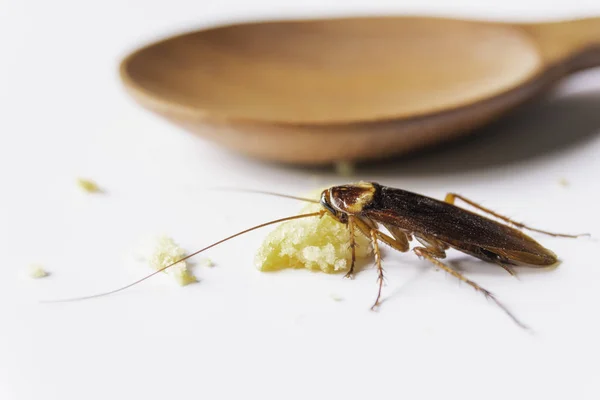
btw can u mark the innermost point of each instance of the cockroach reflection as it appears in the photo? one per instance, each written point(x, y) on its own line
point(436, 225)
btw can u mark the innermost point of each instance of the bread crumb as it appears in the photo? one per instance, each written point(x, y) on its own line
point(161, 251)
point(317, 244)
point(345, 168)
point(88, 185)
point(563, 182)
point(206, 262)
point(335, 297)
point(36, 271)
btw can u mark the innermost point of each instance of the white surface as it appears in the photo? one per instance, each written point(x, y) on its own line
point(241, 333)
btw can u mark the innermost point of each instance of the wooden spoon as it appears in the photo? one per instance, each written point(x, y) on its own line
point(326, 90)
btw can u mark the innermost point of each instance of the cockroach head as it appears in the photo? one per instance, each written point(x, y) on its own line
point(345, 200)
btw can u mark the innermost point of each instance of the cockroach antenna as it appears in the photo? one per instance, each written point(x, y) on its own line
point(287, 196)
point(314, 214)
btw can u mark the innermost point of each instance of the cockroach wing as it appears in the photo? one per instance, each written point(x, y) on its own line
point(461, 229)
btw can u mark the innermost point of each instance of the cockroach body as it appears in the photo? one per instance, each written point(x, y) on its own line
point(438, 226)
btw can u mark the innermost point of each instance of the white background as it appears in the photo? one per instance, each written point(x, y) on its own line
point(238, 332)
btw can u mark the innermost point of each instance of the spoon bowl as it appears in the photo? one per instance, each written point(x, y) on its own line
point(325, 90)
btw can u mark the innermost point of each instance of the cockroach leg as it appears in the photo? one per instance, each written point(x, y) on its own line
point(350, 273)
point(402, 239)
point(393, 243)
point(425, 253)
point(399, 243)
point(509, 270)
point(435, 248)
point(451, 198)
point(380, 277)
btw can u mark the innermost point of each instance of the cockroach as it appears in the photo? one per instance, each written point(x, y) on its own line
point(436, 225)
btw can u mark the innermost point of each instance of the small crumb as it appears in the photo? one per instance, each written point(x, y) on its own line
point(335, 297)
point(162, 251)
point(345, 168)
point(563, 182)
point(206, 262)
point(36, 271)
point(88, 185)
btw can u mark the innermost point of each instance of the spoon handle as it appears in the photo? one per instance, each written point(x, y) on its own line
point(573, 43)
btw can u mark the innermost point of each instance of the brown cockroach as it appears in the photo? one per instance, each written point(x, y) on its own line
point(436, 225)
